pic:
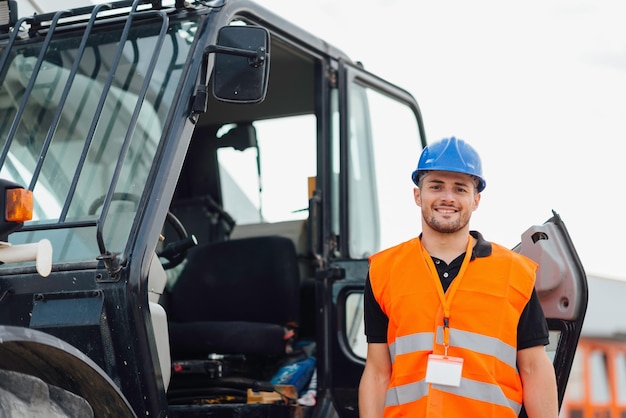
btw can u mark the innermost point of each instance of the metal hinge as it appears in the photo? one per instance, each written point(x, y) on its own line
point(331, 76)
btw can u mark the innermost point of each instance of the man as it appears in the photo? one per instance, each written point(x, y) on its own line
point(453, 324)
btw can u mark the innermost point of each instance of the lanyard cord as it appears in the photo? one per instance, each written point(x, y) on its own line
point(446, 300)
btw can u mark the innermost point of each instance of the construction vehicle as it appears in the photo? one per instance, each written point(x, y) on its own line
point(190, 192)
point(597, 383)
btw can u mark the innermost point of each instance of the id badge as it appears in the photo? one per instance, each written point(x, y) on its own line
point(444, 370)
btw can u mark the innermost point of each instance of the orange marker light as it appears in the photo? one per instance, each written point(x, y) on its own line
point(19, 205)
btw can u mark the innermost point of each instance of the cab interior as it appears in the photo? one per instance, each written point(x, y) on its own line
point(237, 302)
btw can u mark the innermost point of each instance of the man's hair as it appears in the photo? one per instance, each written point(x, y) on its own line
point(422, 174)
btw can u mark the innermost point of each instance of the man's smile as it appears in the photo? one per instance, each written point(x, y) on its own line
point(446, 210)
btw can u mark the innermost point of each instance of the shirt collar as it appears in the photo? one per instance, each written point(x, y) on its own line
point(482, 247)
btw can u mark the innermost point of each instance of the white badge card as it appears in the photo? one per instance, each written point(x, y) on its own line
point(444, 370)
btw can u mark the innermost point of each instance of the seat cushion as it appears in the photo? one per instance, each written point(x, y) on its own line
point(236, 297)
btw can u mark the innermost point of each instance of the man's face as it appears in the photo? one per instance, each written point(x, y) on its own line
point(447, 200)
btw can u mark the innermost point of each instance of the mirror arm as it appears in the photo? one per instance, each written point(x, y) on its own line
point(255, 58)
point(201, 98)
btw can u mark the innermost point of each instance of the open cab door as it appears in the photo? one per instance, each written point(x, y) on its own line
point(562, 289)
point(368, 213)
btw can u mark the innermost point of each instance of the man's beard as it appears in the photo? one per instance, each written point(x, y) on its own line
point(446, 227)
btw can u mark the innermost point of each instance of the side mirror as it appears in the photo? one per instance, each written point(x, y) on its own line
point(241, 70)
point(8, 15)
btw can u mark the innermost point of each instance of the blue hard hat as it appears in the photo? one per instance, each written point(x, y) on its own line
point(450, 154)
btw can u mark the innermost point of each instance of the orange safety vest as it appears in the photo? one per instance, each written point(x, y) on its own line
point(484, 313)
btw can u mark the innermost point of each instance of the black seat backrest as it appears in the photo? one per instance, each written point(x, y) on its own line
point(251, 279)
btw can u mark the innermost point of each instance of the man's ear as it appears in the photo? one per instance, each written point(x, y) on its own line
point(476, 200)
point(417, 196)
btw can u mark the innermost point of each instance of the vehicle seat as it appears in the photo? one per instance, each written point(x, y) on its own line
point(236, 297)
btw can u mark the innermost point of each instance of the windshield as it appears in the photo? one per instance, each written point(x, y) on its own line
point(81, 118)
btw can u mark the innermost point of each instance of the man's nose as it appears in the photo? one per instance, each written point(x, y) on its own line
point(447, 195)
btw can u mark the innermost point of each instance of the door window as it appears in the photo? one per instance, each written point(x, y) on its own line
point(270, 183)
point(384, 146)
point(599, 374)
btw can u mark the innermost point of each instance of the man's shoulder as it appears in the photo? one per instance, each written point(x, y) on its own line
point(498, 250)
point(396, 249)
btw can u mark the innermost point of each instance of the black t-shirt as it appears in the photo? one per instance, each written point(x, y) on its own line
point(532, 329)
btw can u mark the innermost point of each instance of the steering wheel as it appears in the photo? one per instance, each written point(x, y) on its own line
point(130, 197)
point(176, 251)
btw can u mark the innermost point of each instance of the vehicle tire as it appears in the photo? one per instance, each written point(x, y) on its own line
point(22, 395)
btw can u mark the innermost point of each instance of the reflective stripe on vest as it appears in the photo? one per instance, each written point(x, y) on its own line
point(469, 389)
point(423, 341)
point(411, 343)
point(481, 344)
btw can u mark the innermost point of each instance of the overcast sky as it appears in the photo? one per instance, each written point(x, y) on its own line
point(538, 87)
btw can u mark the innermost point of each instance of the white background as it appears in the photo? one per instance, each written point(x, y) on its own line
point(538, 87)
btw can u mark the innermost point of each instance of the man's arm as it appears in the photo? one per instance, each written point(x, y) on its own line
point(538, 382)
point(374, 382)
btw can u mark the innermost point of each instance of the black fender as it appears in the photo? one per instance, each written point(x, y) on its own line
point(57, 363)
